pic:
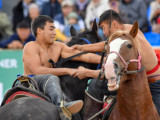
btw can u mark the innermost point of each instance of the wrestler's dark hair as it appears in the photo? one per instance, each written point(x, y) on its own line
point(110, 15)
point(40, 22)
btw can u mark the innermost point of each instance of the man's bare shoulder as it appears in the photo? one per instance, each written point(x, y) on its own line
point(140, 36)
point(129, 26)
point(30, 46)
point(58, 43)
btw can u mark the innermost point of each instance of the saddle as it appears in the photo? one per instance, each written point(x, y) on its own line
point(18, 92)
point(110, 106)
point(24, 88)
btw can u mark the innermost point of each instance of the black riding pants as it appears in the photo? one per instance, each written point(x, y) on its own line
point(50, 85)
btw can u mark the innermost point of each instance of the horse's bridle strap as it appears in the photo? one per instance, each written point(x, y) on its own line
point(137, 60)
point(126, 63)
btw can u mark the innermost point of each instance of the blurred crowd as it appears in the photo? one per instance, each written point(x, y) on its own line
point(15, 33)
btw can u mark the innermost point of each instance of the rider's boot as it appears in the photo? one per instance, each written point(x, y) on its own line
point(53, 91)
point(91, 107)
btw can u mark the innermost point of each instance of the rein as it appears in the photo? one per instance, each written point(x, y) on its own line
point(54, 65)
point(104, 50)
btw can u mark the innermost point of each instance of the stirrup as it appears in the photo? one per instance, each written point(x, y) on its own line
point(65, 111)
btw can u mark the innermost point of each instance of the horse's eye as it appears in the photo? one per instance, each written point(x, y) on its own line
point(129, 46)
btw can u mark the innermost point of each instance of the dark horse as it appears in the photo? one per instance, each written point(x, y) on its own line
point(125, 72)
point(22, 103)
point(74, 88)
point(70, 84)
point(30, 108)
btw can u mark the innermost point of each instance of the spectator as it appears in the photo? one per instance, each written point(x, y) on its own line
point(61, 20)
point(20, 11)
point(148, 2)
point(134, 10)
point(60, 1)
point(80, 7)
point(19, 39)
point(5, 27)
point(72, 21)
point(0, 4)
point(34, 12)
point(94, 9)
point(155, 16)
point(114, 5)
point(51, 8)
point(40, 3)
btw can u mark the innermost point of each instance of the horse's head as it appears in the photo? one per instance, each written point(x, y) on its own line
point(123, 57)
point(85, 37)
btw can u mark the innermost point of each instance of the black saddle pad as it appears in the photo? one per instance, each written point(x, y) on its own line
point(24, 90)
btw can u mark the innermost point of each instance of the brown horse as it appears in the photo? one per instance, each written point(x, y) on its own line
point(125, 73)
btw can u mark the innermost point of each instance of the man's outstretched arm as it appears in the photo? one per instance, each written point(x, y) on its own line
point(97, 47)
point(88, 57)
point(82, 73)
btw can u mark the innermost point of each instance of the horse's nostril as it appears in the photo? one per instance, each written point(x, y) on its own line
point(115, 65)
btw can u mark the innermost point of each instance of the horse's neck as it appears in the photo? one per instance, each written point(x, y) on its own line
point(135, 88)
point(134, 98)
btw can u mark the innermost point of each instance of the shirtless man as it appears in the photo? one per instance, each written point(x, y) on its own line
point(35, 59)
point(151, 63)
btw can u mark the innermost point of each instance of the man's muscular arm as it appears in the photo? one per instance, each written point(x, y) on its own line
point(31, 60)
point(88, 58)
point(97, 47)
point(82, 73)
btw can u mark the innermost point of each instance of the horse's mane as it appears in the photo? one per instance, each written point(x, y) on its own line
point(125, 35)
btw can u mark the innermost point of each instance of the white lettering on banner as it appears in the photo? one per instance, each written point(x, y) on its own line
point(1, 92)
point(8, 63)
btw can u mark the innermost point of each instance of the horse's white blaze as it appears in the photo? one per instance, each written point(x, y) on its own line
point(109, 66)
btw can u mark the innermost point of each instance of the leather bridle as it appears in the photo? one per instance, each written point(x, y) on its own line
point(124, 71)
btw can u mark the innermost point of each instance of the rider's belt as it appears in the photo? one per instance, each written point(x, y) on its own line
point(153, 79)
point(31, 75)
point(27, 75)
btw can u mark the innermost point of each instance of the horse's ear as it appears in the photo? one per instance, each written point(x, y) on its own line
point(73, 31)
point(133, 32)
point(94, 27)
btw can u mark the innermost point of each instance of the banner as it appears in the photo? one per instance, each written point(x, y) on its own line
point(10, 66)
point(1, 92)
